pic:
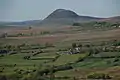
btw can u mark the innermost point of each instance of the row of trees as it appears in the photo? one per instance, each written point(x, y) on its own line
point(4, 35)
point(36, 76)
point(97, 24)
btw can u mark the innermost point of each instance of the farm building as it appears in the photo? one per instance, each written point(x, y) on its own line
point(74, 51)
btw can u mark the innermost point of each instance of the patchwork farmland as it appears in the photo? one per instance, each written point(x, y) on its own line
point(64, 53)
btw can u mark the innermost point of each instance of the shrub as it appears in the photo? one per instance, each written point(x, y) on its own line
point(79, 45)
point(91, 51)
point(98, 76)
point(63, 67)
point(30, 27)
point(76, 24)
point(74, 45)
point(49, 45)
point(26, 57)
point(87, 45)
point(116, 43)
point(45, 32)
point(1, 55)
point(96, 51)
point(116, 59)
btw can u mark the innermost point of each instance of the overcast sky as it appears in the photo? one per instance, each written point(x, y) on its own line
point(20, 10)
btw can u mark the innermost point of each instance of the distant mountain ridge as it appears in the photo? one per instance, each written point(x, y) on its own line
point(112, 19)
point(23, 23)
point(61, 17)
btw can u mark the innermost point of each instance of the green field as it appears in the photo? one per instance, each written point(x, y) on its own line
point(42, 57)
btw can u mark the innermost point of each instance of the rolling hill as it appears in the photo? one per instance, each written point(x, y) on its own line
point(62, 16)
